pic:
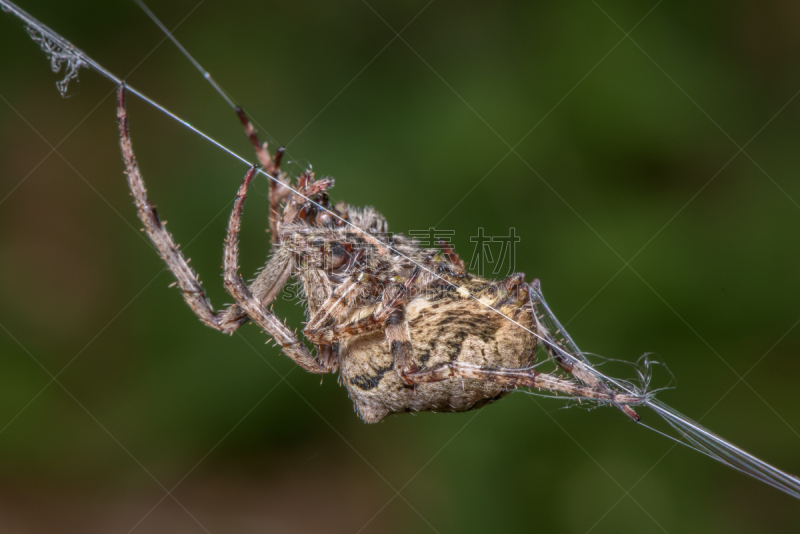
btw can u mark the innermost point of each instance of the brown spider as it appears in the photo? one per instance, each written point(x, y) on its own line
point(407, 327)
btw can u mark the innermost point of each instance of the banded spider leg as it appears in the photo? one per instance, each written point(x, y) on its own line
point(587, 385)
point(251, 301)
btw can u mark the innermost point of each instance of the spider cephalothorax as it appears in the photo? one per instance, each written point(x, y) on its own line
point(407, 327)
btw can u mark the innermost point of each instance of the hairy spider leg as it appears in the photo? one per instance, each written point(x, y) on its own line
point(451, 254)
point(371, 323)
point(390, 318)
point(514, 292)
point(519, 377)
point(334, 306)
point(562, 350)
point(234, 284)
point(277, 189)
point(227, 320)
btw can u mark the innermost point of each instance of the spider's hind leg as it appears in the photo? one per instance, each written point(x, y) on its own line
point(512, 378)
point(564, 352)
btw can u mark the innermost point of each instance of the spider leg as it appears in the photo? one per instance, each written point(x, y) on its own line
point(235, 285)
point(523, 377)
point(277, 187)
point(562, 350)
point(399, 337)
point(371, 323)
point(390, 318)
point(319, 329)
point(512, 290)
point(334, 306)
point(451, 254)
point(265, 287)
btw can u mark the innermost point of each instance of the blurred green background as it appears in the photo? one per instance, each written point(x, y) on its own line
point(628, 150)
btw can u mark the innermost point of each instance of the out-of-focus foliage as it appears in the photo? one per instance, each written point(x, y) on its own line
point(648, 226)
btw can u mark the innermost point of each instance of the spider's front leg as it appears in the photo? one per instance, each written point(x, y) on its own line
point(265, 287)
point(278, 189)
point(234, 284)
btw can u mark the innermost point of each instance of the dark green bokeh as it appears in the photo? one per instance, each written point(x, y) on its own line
point(633, 154)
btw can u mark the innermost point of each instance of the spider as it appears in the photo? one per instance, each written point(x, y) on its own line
point(407, 328)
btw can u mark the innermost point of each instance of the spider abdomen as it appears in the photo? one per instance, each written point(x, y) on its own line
point(441, 331)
